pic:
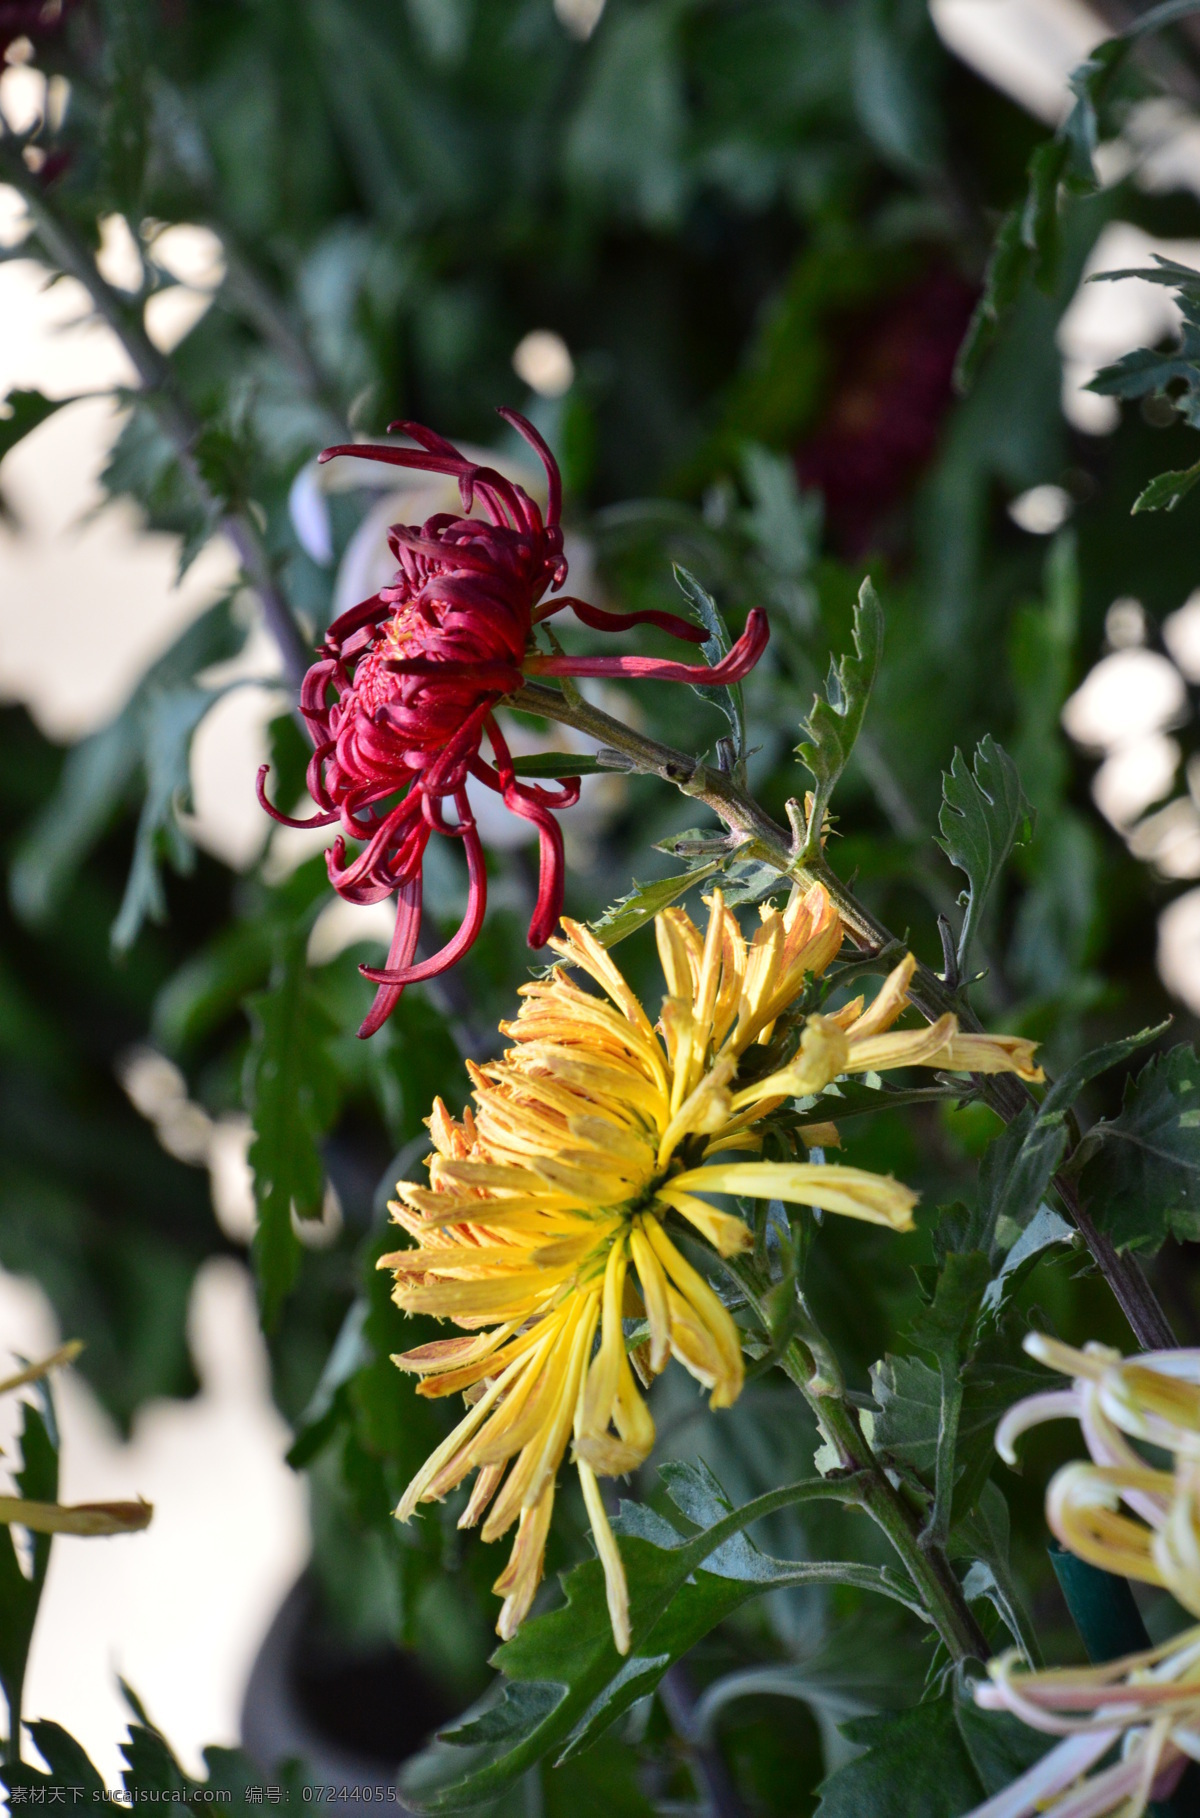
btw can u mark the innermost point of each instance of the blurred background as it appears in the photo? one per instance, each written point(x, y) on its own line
point(723, 253)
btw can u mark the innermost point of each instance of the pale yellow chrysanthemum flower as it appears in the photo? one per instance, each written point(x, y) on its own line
point(544, 1224)
point(1128, 1517)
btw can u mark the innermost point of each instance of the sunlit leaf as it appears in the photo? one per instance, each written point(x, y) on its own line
point(984, 814)
point(837, 715)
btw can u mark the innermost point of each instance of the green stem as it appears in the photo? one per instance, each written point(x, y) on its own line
point(809, 1361)
point(753, 834)
point(67, 249)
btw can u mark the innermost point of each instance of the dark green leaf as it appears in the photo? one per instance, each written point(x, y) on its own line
point(20, 1595)
point(319, 1420)
point(1018, 1167)
point(984, 814)
point(837, 716)
point(292, 1088)
point(982, 1536)
point(21, 413)
point(1142, 1179)
point(1165, 491)
point(907, 1428)
point(937, 1761)
point(946, 1329)
point(67, 1761)
point(169, 725)
point(898, 63)
point(564, 1682)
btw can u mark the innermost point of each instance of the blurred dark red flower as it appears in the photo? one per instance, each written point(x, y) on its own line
point(883, 421)
point(405, 684)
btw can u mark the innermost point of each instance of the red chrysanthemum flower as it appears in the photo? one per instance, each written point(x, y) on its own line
point(406, 683)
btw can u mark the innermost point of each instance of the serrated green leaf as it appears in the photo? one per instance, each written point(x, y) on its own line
point(564, 1682)
point(984, 813)
point(642, 904)
point(320, 1418)
point(1018, 1166)
point(898, 67)
point(982, 1537)
point(99, 771)
point(1142, 1181)
point(836, 718)
point(937, 1761)
point(67, 1760)
point(171, 719)
point(292, 1089)
point(718, 644)
point(1165, 491)
point(20, 1595)
point(908, 1425)
point(946, 1328)
point(21, 413)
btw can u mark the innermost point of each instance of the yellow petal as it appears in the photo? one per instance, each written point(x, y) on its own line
point(727, 1235)
point(654, 1293)
point(852, 1191)
point(616, 1590)
point(600, 1385)
point(483, 1489)
point(1083, 1510)
point(890, 1000)
point(993, 1054)
point(820, 1136)
point(904, 1047)
point(824, 1052)
point(712, 1317)
point(583, 949)
point(519, 1580)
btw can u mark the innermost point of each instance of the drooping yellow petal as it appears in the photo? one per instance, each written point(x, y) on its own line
point(993, 1054)
point(875, 1197)
point(519, 1580)
point(616, 1590)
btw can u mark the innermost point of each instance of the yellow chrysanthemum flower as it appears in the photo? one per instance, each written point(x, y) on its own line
point(1139, 1522)
point(543, 1227)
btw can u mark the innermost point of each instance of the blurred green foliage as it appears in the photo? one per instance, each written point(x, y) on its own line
point(760, 227)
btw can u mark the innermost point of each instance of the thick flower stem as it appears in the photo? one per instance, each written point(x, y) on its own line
point(809, 1361)
point(753, 834)
point(929, 1568)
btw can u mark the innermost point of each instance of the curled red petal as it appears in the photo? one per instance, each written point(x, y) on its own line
point(732, 667)
point(404, 945)
point(599, 620)
point(552, 868)
point(405, 974)
point(285, 820)
point(528, 433)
